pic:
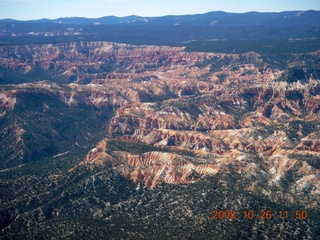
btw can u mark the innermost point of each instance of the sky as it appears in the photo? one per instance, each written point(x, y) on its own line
point(52, 9)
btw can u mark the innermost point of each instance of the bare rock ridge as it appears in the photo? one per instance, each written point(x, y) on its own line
point(179, 116)
point(152, 168)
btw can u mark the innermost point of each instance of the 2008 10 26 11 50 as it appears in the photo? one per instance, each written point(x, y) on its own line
point(262, 214)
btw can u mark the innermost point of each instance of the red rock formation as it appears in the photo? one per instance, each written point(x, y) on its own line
point(310, 143)
point(237, 116)
point(151, 168)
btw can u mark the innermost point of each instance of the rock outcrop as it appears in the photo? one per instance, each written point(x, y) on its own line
point(235, 113)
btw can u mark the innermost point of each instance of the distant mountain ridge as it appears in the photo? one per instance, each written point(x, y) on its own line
point(203, 32)
point(217, 18)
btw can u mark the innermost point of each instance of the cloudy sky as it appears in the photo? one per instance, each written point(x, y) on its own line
point(37, 9)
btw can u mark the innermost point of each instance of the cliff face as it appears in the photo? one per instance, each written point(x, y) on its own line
point(84, 61)
point(261, 134)
point(152, 168)
point(190, 114)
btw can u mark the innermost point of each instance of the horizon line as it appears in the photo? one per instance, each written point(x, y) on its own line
point(169, 15)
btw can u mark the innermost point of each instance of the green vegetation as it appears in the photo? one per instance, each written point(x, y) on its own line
point(312, 160)
point(140, 148)
point(226, 39)
point(134, 148)
point(222, 77)
point(263, 46)
point(97, 203)
point(189, 105)
point(9, 76)
point(50, 127)
point(300, 126)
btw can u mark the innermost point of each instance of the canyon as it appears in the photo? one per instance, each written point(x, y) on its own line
point(205, 113)
point(200, 126)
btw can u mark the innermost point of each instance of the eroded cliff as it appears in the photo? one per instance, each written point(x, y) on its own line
point(189, 114)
